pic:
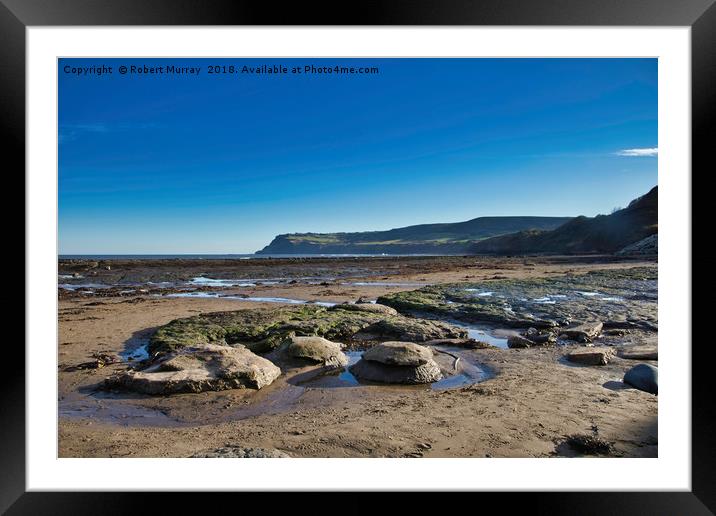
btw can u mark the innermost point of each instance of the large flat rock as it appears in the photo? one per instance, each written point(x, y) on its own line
point(591, 356)
point(209, 367)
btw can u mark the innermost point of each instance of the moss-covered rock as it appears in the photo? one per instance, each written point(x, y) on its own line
point(621, 298)
point(263, 330)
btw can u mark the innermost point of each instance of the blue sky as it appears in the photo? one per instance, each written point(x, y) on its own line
point(223, 163)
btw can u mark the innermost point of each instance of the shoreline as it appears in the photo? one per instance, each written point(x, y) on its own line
point(526, 409)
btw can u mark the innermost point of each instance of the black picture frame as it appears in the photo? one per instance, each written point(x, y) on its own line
point(17, 15)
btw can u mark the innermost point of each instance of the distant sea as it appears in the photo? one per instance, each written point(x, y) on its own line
point(219, 256)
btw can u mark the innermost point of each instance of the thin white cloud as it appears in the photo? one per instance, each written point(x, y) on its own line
point(71, 132)
point(652, 151)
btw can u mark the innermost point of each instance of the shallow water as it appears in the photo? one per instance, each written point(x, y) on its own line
point(215, 295)
point(467, 374)
point(384, 284)
point(78, 286)
point(494, 337)
point(211, 282)
point(136, 353)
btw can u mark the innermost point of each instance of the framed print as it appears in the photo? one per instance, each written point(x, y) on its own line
point(428, 248)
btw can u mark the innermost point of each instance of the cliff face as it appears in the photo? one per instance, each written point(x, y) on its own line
point(600, 234)
point(455, 238)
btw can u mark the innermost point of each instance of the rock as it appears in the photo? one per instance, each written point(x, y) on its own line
point(210, 367)
point(639, 353)
point(398, 362)
point(644, 377)
point(383, 373)
point(518, 341)
point(367, 307)
point(544, 339)
point(616, 332)
point(585, 332)
point(647, 246)
point(412, 330)
point(264, 330)
point(589, 444)
point(317, 349)
point(399, 354)
point(462, 343)
point(364, 301)
point(591, 356)
point(238, 452)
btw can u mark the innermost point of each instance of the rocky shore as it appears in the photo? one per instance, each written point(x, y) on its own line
point(358, 357)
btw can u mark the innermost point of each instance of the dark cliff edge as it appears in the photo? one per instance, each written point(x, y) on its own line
point(582, 235)
point(449, 238)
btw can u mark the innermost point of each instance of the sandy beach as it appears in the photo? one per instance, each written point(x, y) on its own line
point(528, 404)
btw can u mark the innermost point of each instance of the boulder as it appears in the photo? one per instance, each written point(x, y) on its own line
point(239, 452)
point(397, 362)
point(318, 350)
point(585, 332)
point(366, 307)
point(591, 356)
point(210, 367)
point(644, 377)
point(518, 341)
point(399, 354)
point(383, 373)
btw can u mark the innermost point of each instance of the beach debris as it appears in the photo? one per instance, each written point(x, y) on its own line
point(209, 367)
point(591, 356)
point(397, 362)
point(589, 444)
point(644, 377)
point(99, 361)
point(240, 452)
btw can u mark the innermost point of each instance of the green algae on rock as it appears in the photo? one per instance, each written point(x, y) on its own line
point(264, 330)
point(623, 298)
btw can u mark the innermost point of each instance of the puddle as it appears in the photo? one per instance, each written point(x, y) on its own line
point(78, 286)
point(124, 414)
point(215, 295)
point(492, 336)
point(467, 374)
point(135, 354)
point(479, 293)
point(211, 282)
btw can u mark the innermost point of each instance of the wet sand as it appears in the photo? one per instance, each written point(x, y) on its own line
point(531, 402)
